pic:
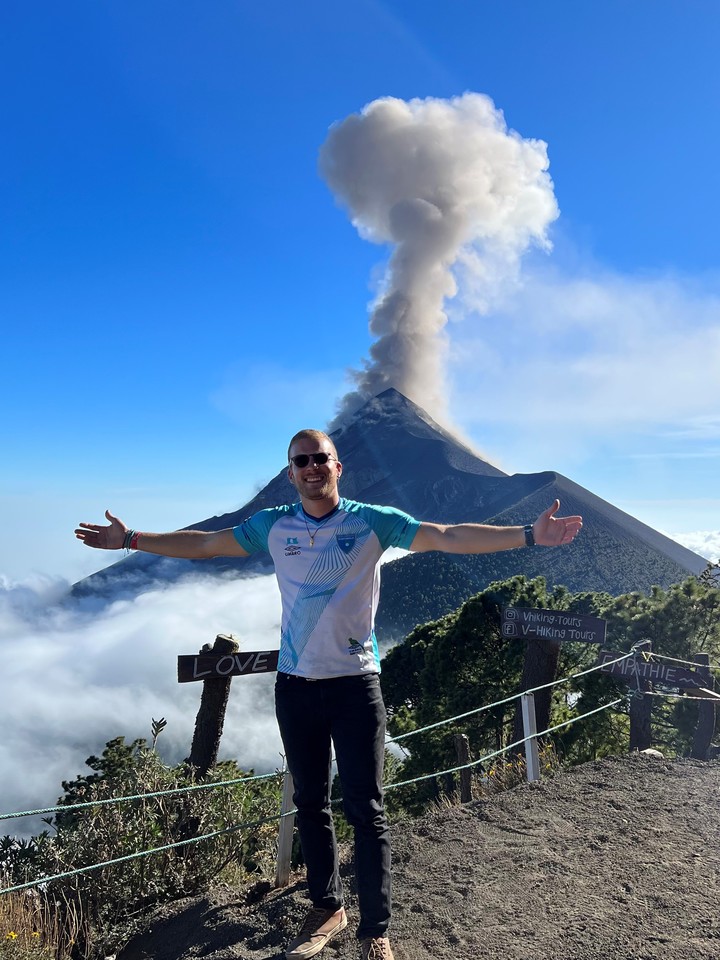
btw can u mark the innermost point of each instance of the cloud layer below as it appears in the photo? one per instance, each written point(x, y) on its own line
point(76, 677)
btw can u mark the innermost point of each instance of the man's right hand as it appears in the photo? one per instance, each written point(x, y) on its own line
point(111, 537)
point(183, 544)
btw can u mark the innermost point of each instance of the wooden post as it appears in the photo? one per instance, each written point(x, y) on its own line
point(211, 715)
point(532, 760)
point(706, 712)
point(640, 717)
point(462, 748)
point(539, 668)
point(285, 834)
point(641, 709)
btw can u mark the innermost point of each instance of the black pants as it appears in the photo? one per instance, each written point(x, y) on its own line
point(349, 711)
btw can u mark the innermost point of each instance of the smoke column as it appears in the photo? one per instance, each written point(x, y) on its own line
point(448, 185)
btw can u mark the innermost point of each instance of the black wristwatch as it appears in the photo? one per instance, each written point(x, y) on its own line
point(529, 535)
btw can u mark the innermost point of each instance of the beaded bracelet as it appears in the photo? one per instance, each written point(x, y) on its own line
point(128, 539)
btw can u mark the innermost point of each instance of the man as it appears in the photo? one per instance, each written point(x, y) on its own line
point(326, 552)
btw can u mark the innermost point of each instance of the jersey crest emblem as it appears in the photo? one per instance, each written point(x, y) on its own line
point(292, 547)
point(346, 543)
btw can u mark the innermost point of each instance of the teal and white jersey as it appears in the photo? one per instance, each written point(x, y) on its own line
point(329, 576)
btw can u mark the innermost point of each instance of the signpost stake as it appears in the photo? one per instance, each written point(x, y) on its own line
point(462, 748)
point(532, 760)
point(641, 708)
point(211, 715)
point(706, 712)
point(285, 834)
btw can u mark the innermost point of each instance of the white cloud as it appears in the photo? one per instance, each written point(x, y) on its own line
point(74, 679)
point(603, 353)
point(704, 542)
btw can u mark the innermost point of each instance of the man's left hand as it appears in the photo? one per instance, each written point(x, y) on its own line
point(552, 531)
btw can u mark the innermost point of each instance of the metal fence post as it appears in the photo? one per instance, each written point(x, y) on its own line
point(532, 760)
point(285, 833)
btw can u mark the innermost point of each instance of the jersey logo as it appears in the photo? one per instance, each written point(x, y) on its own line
point(292, 547)
point(355, 648)
point(345, 543)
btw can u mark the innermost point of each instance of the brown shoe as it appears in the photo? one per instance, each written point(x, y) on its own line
point(376, 948)
point(319, 926)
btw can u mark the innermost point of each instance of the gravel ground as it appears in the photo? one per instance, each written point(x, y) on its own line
point(612, 860)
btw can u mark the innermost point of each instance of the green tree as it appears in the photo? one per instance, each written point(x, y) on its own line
point(461, 661)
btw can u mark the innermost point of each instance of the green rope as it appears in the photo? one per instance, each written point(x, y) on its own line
point(687, 663)
point(496, 753)
point(500, 703)
point(583, 673)
point(460, 716)
point(566, 723)
point(265, 776)
point(145, 853)
point(680, 696)
point(264, 820)
point(136, 796)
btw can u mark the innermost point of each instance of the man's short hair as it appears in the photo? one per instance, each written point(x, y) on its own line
point(312, 435)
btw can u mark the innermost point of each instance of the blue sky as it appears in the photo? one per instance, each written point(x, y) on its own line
point(180, 290)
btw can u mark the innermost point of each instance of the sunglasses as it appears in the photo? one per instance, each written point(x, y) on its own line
point(303, 459)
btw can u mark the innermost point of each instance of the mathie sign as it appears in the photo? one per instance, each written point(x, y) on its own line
point(558, 625)
point(640, 668)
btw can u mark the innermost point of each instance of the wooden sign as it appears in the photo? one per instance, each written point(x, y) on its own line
point(558, 625)
point(637, 668)
point(208, 666)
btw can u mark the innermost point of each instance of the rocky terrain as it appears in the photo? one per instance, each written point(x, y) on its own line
point(613, 860)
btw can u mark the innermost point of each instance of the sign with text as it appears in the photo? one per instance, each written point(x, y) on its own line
point(558, 625)
point(209, 666)
point(641, 669)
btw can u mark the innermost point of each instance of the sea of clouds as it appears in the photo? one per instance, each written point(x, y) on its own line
point(77, 674)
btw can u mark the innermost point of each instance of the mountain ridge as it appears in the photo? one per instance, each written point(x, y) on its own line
point(395, 454)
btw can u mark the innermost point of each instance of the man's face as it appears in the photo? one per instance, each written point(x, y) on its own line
point(316, 481)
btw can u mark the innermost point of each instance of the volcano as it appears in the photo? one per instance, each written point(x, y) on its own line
point(394, 453)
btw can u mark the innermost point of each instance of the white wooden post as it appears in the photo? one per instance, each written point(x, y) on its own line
point(532, 761)
point(285, 833)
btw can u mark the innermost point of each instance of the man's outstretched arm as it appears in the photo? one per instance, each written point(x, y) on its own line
point(184, 544)
point(548, 531)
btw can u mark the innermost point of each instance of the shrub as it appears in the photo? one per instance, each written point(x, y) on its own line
point(92, 912)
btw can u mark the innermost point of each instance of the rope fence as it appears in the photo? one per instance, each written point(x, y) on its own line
point(147, 853)
point(500, 703)
point(62, 808)
point(686, 663)
point(673, 696)
point(288, 812)
point(510, 746)
point(136, 796)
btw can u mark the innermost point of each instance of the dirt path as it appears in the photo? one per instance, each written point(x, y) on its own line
point(613, 860)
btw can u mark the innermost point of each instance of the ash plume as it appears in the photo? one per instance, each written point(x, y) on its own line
point(450, 187)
